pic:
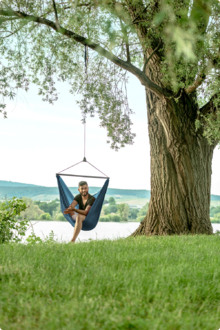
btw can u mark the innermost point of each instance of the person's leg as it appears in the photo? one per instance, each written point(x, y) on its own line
point(73, 216)
point(78, 226)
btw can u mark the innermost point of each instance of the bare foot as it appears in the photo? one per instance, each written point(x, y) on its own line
point(72, 241)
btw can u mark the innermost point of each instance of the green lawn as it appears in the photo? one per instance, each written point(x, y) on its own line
point(139, 283)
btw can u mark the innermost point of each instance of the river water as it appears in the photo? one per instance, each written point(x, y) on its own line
point(63, 231)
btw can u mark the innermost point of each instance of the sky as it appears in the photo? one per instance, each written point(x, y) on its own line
point(39, 139)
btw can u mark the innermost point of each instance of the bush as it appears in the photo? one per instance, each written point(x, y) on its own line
point(214, 211)
point(106, 218)
point(115, 218)
point(112, 208)
point(112, 200)
point(9, 210)
point(105, 209)
point(133, 213)
point(45, 216)
point(143, 211)
point(141, 218)
point(32, 211)
point(60, 217)
point(216, 218)
point(48, 207)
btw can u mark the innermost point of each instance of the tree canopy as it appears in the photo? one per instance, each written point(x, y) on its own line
point(43, 41)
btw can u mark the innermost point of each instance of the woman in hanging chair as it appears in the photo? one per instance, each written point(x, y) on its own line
point(85, 201)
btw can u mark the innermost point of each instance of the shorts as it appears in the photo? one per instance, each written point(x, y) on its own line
point(74, 216)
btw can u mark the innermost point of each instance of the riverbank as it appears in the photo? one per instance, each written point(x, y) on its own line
point(135, 283)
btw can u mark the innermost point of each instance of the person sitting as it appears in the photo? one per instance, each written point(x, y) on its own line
point(85, 201)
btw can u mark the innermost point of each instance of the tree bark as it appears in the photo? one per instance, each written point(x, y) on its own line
point(180, 169)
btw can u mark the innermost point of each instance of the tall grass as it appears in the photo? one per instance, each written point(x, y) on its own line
point(170, 282)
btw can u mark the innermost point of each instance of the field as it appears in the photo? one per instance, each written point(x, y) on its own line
point(142, 283)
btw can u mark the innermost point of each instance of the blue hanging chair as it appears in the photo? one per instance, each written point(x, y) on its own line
point(66, 198)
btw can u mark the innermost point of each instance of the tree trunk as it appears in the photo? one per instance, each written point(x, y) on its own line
point(180, 169)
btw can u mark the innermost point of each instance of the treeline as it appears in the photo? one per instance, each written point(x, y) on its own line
point(37, 210)
point(215, 214)
point(111, 211)
point(122, 212)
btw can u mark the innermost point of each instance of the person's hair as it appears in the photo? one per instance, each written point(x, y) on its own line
point(82, 183)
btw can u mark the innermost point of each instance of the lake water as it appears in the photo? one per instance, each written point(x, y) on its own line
point(63, 231)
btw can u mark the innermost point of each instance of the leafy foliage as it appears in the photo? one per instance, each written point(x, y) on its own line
point(50, 207)
point(143, 210)
point(45, 216)
point(133, 213)
point(10, 227)
point(184, 35)
point(111, 200)
point(32, 211)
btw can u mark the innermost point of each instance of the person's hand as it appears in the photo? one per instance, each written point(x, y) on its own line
point(68, 210)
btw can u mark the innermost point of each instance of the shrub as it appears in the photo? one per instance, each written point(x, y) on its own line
point(60, 217)
point(112, 208)
point(216, 218)
point(115, 218)
point(133, 213)
point(9, 210)
point(144, 210)
point(111, 200)
point(105, 210)
point(106, 218)
point(45, 216)
point(141, 218)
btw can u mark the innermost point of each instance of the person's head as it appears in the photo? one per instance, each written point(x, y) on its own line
point(83, 188)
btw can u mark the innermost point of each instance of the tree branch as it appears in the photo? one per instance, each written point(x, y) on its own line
point(128, 52)
point(125, 34)
point(209, 106)
point(55, 10)
point(142, 12)
point(199, 80)
point(143, 78)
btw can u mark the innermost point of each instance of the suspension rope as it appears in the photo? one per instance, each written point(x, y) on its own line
point(86, 59)
point(84, 159)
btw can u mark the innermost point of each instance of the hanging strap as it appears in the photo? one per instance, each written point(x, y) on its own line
point(86, 59)
point(85, 176)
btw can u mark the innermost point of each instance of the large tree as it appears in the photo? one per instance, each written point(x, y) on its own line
point(171, 46)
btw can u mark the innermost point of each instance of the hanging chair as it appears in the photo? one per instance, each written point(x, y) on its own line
point(66, 198)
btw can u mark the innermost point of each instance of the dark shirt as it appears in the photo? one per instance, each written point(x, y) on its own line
point(89, 201)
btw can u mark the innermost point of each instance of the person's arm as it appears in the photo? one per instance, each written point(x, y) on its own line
point(83, 212)
point(71, 207)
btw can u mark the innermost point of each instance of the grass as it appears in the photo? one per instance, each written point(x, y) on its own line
point(168, 282)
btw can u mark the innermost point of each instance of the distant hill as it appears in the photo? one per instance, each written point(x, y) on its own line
point(16, 184)
point(11, 189)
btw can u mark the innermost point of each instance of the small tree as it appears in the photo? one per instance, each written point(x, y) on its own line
point(143, 210)
point(133, 213)
point(112, 208)
point(105, 210)
point(121, 209)
point(60, 217)
point(45, 216)
point(216, 218)
point(32, 211)
point(125, 212)
point(112, 200)
point(115, 218)
point(9, 210)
